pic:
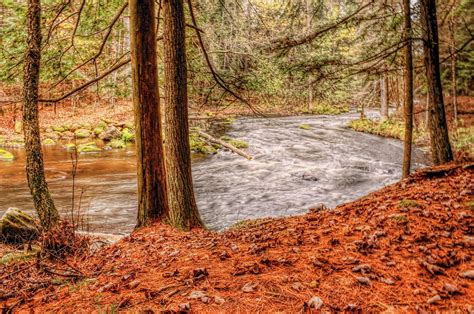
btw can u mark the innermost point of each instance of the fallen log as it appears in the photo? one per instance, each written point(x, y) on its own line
point(224, 144)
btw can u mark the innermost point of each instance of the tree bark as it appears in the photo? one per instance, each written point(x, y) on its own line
point(151, 175)
point(183, 209)
point(440, 146)
point(408, 99)
point(42, 199)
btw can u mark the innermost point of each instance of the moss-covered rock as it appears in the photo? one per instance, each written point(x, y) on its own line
point(17, 227)
point(57, 128)
point(48, 142)
point(128, 135)
point(6, 155)
point(117, 143)
point(70, 146)
point(90, 147)
point(82, 133)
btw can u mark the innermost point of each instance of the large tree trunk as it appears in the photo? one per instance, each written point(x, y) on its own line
point(183, 209)
point(408, 100)
point(42, 199)
point(440, 146)
point(151, 176)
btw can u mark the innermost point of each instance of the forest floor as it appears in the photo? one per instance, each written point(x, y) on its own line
point(407, 247)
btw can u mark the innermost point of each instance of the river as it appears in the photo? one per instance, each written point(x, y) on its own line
point(293, 169)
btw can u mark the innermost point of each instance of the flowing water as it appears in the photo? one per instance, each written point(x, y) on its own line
point(293, 170)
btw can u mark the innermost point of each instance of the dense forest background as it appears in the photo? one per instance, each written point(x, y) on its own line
point(308, 54)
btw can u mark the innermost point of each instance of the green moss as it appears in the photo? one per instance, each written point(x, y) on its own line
point(128, 135)
point(6, 155)
point(304, 126)
point(49, 141)
point(117, 144)
point(405, 203)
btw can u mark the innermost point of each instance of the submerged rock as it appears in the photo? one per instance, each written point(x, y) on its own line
point(17, 227)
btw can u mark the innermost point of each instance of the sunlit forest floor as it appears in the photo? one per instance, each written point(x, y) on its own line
point(408, 246)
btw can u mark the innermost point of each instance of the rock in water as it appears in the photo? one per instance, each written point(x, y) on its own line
point(111, 133)
point(17, 227)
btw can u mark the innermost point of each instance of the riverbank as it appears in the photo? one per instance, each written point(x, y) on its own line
point(461, 133)
point(406, 247)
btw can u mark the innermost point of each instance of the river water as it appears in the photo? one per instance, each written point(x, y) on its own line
point(293, 170)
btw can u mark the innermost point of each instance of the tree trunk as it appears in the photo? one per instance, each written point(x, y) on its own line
point(454, 85)
point(440, 146)
point(151, 176)
point(408, 99)
point(183, 209)
point(384, 97)
point(42, 199)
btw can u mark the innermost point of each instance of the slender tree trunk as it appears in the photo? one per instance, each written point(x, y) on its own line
point(440, 146)
point(408, 100)
point(42, 199)
point(183, 209)
point(454, 85)
point(384, 97)
point(151, 176)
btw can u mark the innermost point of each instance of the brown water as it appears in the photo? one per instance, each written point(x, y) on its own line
point(292, 170)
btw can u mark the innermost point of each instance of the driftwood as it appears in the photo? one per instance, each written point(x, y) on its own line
point(224, 144)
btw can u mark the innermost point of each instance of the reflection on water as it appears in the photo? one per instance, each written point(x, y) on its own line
point(292, 170)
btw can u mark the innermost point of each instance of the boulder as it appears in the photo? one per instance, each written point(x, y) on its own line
point(17, 227)
point(111, 133)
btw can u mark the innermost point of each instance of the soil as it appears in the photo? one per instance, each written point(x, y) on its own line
point(405, 248)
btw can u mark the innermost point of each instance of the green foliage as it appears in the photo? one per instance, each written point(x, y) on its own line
point(128, 135)
point(387, 128)
point(324, 108)
point(463, 139)
point(198, 145)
